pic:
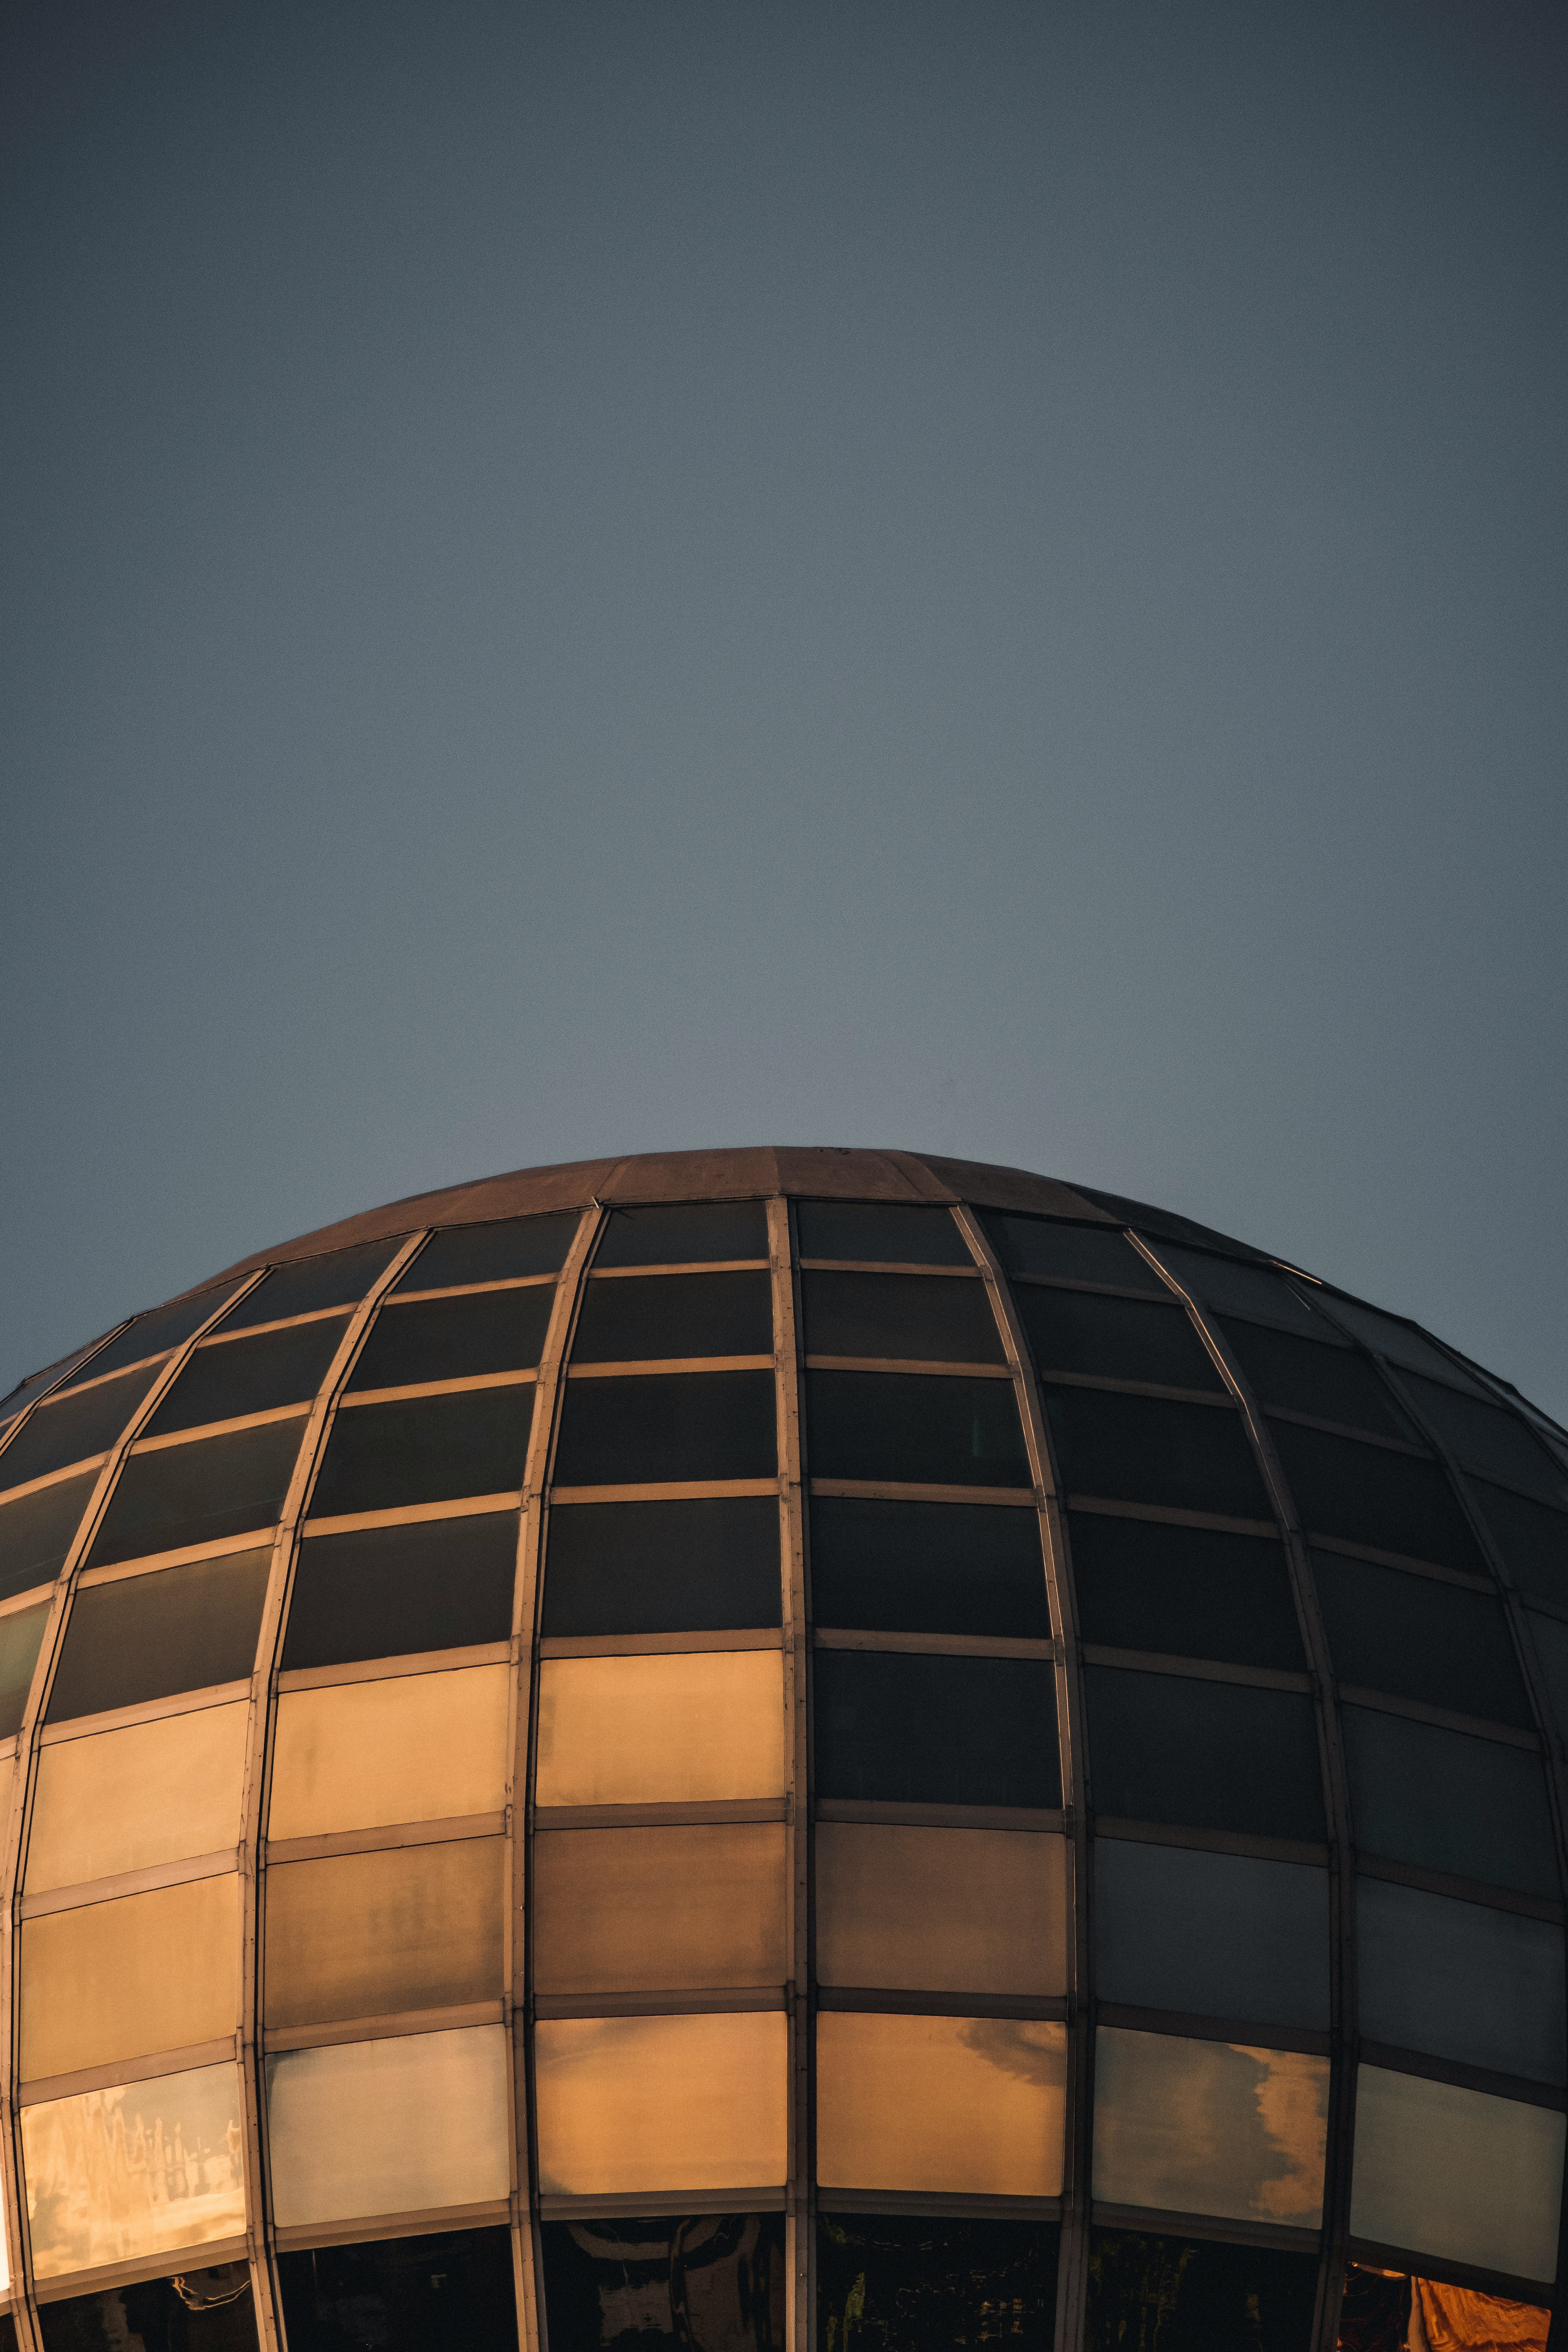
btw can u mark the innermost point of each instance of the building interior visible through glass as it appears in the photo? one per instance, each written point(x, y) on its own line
point(761, 1751)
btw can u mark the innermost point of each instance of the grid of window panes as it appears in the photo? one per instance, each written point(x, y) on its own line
point(745, 1771)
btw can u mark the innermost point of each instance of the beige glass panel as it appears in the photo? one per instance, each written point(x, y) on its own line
point(143, 2168)
point(126, 1979)
point(941, 1910)
point(417, 1747)
point(1439, 2170)
point(659, 1909)
point(1209, 2127)
point(127, 1800)
point(952, 2106)
point(392, 2126)
point(632, 2104)
point(367, 1934)
point(668, 1729)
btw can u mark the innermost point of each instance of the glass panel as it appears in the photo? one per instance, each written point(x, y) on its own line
point(1209, 2127)
point(1551, 1636)
point(1234, 1288)
point(120, 1980)
point(449, 2292)
point(928, 1567)
point(655, 1909)
point(36, 1531)
point(338, 1279)
point(1533, 1543)
point(1384, 2310)
point(143, 2168)
point(691, 1234)
point(154, 1334)
point(662, 1568)
point(631, 1433)
point(1395, 1341)
point(896, 1728)
point(916, 1429)
point(1448, 1802)
point(27, 1390)
point(1189, 1592)
point(1115, 1339)
point(454, 1338)
point(1071, 1252)
point(963, 2107)
point(1365, 1494)
point(902, 2282)
point(1499, 1445)
point(420, 1748)
point(21, 1635)
point(198, 1493)
point(1134, 1449)
point(226, 1378)
point(1455, 2173)
point(370, 1935)
point(880, 1232)
point(130, 1800)
point(1218, 1756)
point(1420, 1639)
point(1460, 1981)
point(1216, 1934)
point(633, 2105)
point(504, 1252)
point(394, 2126)
point(660, 1730)
point(84, 1422)
point(929, 1910)
point(1331, 1383)
point(147, 1637)
point(200, 2311)
point(675, 1314)
point(382, 1457)
point(1167, 2294)
point(666, 2284)
point(917, 1316)
point(387, 1592)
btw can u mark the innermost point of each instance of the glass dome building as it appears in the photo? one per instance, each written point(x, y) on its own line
point(772, 1749)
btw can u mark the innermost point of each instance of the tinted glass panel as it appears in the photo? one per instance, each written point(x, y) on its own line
point(1448, 1802)
point(371, 1935)
point(675, 1314)
point(384, 1593)
point(1071, 1252)
point(879, 1234)
point(1174, 2294)
point(1395, 1341)
point(1330, 1383)
point(431, 1450)
point(153, 1334)
point(206, 2311)
point(662, 1568)
point(147, 1637)
point(498, 1253)
point(1551, 1638)
point(1251, 2141)
point(85, 1421)
point(350, 2128)
point(927, 1568)
point(141, 1795)
point(1135, 1449)
point(1214, 1755)
point(916, 1429)
point(684, 1425)
point(942, 1910)
point(450, 2292)
point(94, 2198)
point(1460, 1981)
point(944, 2106)
point(1419, 1639)
point(240, 1376)
point(1115, 1339)
point(454, 1338)
point(1497, 1444)
point(1189, 1592)
point(913, 1316)
point(339, 1279)
point(899, 1728)
point(104, 1981)
point(36, 1383)
point(1364, 1494)
point(35, 1532)
point(707, 2279)
point(627, 2106)
point(700, 1233)
point(198, 1493)
point(1457, 2173)
point(1533, 1542)
point(364, 1755)
point(674, 1728)
point(894, 2283)
point(20, 1636)
point(1232, 1287)
point(1217, 1935)
point(689, 1906)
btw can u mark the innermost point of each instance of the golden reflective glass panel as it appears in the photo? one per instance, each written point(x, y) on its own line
point(391, 2126)
point(1218, 2127)
point(127, 1978)
point(933, 1910)
point(371, 1935)
point(659, 1909)
point(415, 1748)
point(667, 1729)
point(143, 2168)
point(654, 2106)
point(1464, 2174)
point(952, 2106)
point(127, 1800)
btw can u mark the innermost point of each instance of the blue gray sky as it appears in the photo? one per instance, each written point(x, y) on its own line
point(591, 578)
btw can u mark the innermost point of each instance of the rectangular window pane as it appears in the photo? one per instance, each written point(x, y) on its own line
point(1327, 1382)
point(451, 2290)
point(1497, 1444)
point(1394, 1339)
point(503, 1252)
point(123, 1979)
point(1365, 1494)
point(21, 1637)
point(1205, 2294)
point(930, 1910)
point(680, 1425)
point(659, 1909)
point(92, 2196)
point(1234, 1288)
point(1459, 2174)
point(1533, 1542)
point(84, 1422)
point(394, 2126)
point(959, 2107)
point(1071, 1252)
point(1115, 1339)
point(1549, 1637)
point(129, 1799)
point(914, 1429)
point(155, 2311)
point(928, 1567)
point(688, 1233)
point(634, 2105)
point(338, 1278)
point(1216, 1934)
point(147, 1637)
point(1188, 1591)
point(371, 1935)
point(879, 1232)
point(928, 2283)
point(420, 1748)
point(1460, 1981)
point(723, 2273)
point(226, 1378)
point(454, 1338)
point(153, 1334)
point(684, 1566)
point(1214, 2127)
point(27, 1391)
point(1448, 1802)
point(1134, 1449)
point(198, 1493)
point(387, 1592)
point(897, 1727)
point(660, 1730)
point(382, 1457)
point(916, 1316)
point(36, 1531)
point(670, 1315)
point(1391, 2307)
point(1419, 1639)
point(1216, 1756)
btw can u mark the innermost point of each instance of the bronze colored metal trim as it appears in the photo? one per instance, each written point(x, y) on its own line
point(1250, 2031)
point(655, 2204)
point(943, 1817)
point(936, 1645)
point(667, 1366)
point(1161, 1390)
point(414, 1515)
point(692, 1265)
point(174, 1438)
point(651, 1646)
point(332, 2033)
point(1483, 1891)
point(907, 1367)
point(1509, 2284)
point(106, 2276)
point(451, 1831)
point(223, 1863)
point(1474, 1727)
point(1523, 2089)
point(883, 2000)
point(1026, 1498)
point(1205, 2226)
point(523, 1376)
point(145, 2067)
point(1166, 1515)
point(1266, 1849)
point(393, 1669)
point(800, 2214)
point(146, 1710)
point(902, 2201)
point(1201, 1670)
point(673, 1490)
point(699, 1810)
point(684, 2001)
point(426, 2222)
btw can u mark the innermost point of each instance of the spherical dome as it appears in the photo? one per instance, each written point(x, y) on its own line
point(752, 1750)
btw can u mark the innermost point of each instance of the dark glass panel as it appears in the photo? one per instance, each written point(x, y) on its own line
point(675, 1425)
point(498, 1253)
point(1231, 1288)
point(1215, 1935)
point(449, 2292)
point(1182, 2294)
point(1419, 1639)
point(428, 1450)
point(20, 1636)
point(454, 1338)
point(199, 2311)
point(8, 2340)
point(1189, 1592)
point(1071, 1252)
point(199, 1493)
point(148, 1637)
point(153, 1334)
point(1115, 1339)
point(1213, 1756)
point(666, 1315)
point(879, 1234)
point(681, 1567)
point(35, 1532)
point(36, 1383)
point(341, 1278)
point(387, 1592)
point(702, 2283)
point(1374, 2314)
point(1330, 1383)
point(1388, 1337)
point(918, 1317)
point(895, 1727)
point(1498, 1444)
point(907, 2283)
point(915, 1429)
point(927, 1568)
point(1449, 1802)
point(1459, 1981)
point(1532, 1540)
point(1134, 1449)
point(84, 1422)
point(233, 1377)
point(693, 1233)
point(1551, 1638)
point(1365, 1494)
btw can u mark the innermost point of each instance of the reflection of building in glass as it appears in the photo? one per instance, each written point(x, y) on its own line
point(764, 1750)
